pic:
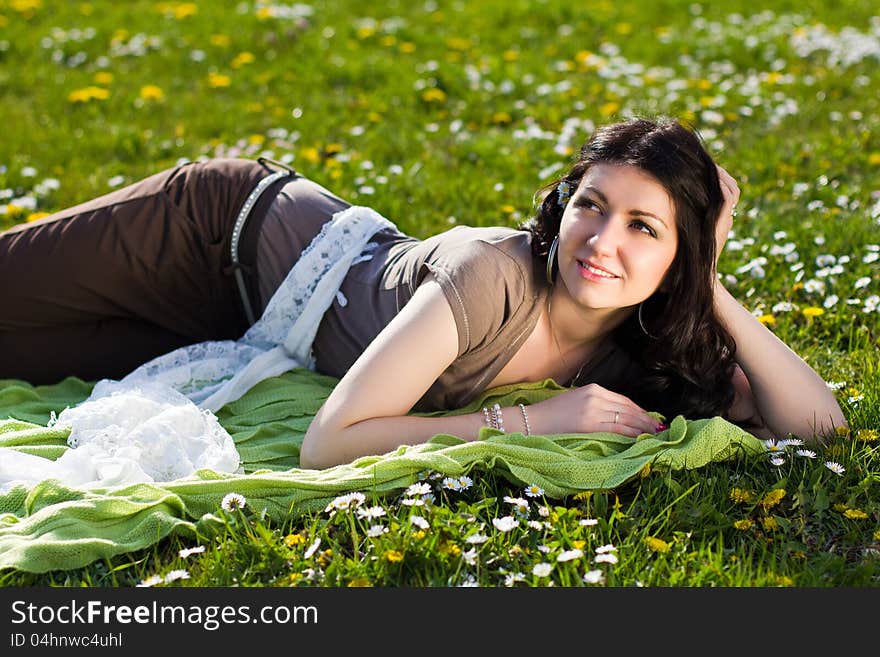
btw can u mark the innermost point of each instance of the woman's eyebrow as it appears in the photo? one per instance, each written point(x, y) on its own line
point(634, 213)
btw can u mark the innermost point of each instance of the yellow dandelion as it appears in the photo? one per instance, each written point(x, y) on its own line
point(773, 77)
point(842, 431)
point(13, 209)
point(374, 117)
point(769, 523)
point(741, 496)
point(876, 534)
point(855, 514)
point(86, 94)
point(388, 40)
point(264, 13)
point(325, 557)
point(457, 43)
point(510, 55)
point(292, 540)
point(419, 534)
point(152, 92)
point(293, 578)
point(784, 580)
point(623, 28)
point(797, 286)
point(867, 435)
point(33, 216)
point(433, 95)
point(221, 40)
point(578, 544)
point(656, 544)
point(813, 311)
point(218, 80)
point(772, 498)
point(508, 209)
point(451, 549)
point(359, 582)
point(583, 496)
point(767, 320)
point(394, 556)
point(407, 47)
point(26, 7)
point(365, 32)
point(609, 108)
point(840, 507)
point(257, 140)
point(742, 524)
point(333, 149)
point(704, 84)
point(874, 159)
point(242, 58)
point(103, 77)
point(501, 118)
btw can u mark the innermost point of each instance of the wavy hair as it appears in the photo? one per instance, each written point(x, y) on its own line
point(687, 354)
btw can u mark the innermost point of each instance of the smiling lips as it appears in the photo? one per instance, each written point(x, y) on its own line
point(595, 271)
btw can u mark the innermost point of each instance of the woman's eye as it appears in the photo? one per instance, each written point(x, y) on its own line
point(644, 228)
point(586, 203)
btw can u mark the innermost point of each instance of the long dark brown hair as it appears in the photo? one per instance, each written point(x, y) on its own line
point(686, 354)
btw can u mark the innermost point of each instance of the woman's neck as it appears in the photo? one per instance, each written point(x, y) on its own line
point(577, 329)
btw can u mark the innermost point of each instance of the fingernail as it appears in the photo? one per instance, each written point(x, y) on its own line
point(661, 427)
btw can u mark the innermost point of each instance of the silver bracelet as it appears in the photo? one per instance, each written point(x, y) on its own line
point(488, 419)
point(525, 419)
point(499, 418)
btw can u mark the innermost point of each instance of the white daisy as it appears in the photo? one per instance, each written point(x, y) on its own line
point(835, 467)
point(570, 555)
point(605, 558)
point(589, 522)
point(233, 501)
point(174, 575)
point(419, 522)
point(542, 569)
point(152, 580)
point(185, 552)
point(533, 490)
point(376, 530)
point(476, 539)
point(806, 453)
point(418, 489)
point(505, 524)
point(594, 577)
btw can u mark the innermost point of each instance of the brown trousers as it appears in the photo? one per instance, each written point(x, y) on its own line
point(95, 290)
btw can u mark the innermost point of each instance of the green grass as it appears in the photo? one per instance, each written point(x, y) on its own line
point(513, 89)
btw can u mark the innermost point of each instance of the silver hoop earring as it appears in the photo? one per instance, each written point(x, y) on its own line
point(642, 324)
point(551, 256)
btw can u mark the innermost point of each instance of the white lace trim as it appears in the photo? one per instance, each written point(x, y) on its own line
point(148, 427)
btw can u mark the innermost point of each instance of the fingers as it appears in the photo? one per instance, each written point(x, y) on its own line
point(729, 186)
point(628, 423)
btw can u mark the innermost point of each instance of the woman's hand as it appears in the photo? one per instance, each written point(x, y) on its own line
point(591, 408)
point(730, 192)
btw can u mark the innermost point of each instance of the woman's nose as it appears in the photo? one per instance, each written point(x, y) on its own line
point(605, 238)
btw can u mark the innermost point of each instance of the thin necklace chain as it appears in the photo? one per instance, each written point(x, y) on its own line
point(558, 348)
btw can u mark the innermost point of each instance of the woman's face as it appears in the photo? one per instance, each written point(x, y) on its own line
point(617, 238)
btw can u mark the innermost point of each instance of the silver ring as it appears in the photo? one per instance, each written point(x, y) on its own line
point(616, 417)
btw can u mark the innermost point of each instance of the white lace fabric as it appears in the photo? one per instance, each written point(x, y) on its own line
point(157, 423)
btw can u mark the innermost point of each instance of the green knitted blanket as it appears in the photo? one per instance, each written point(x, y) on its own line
point(52, 527)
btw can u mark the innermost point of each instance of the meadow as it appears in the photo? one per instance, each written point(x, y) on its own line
point(439, 113)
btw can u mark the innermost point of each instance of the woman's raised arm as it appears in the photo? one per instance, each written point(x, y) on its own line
point(789, 396)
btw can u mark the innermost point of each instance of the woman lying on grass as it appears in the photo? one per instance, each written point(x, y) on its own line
point(610, 289)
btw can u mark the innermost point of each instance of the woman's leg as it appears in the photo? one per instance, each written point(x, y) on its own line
point(95, 290)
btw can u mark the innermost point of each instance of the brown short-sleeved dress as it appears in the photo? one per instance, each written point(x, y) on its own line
point(493, 283)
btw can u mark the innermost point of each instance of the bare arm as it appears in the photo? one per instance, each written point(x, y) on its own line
point(366, 412)
point(788, 394)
